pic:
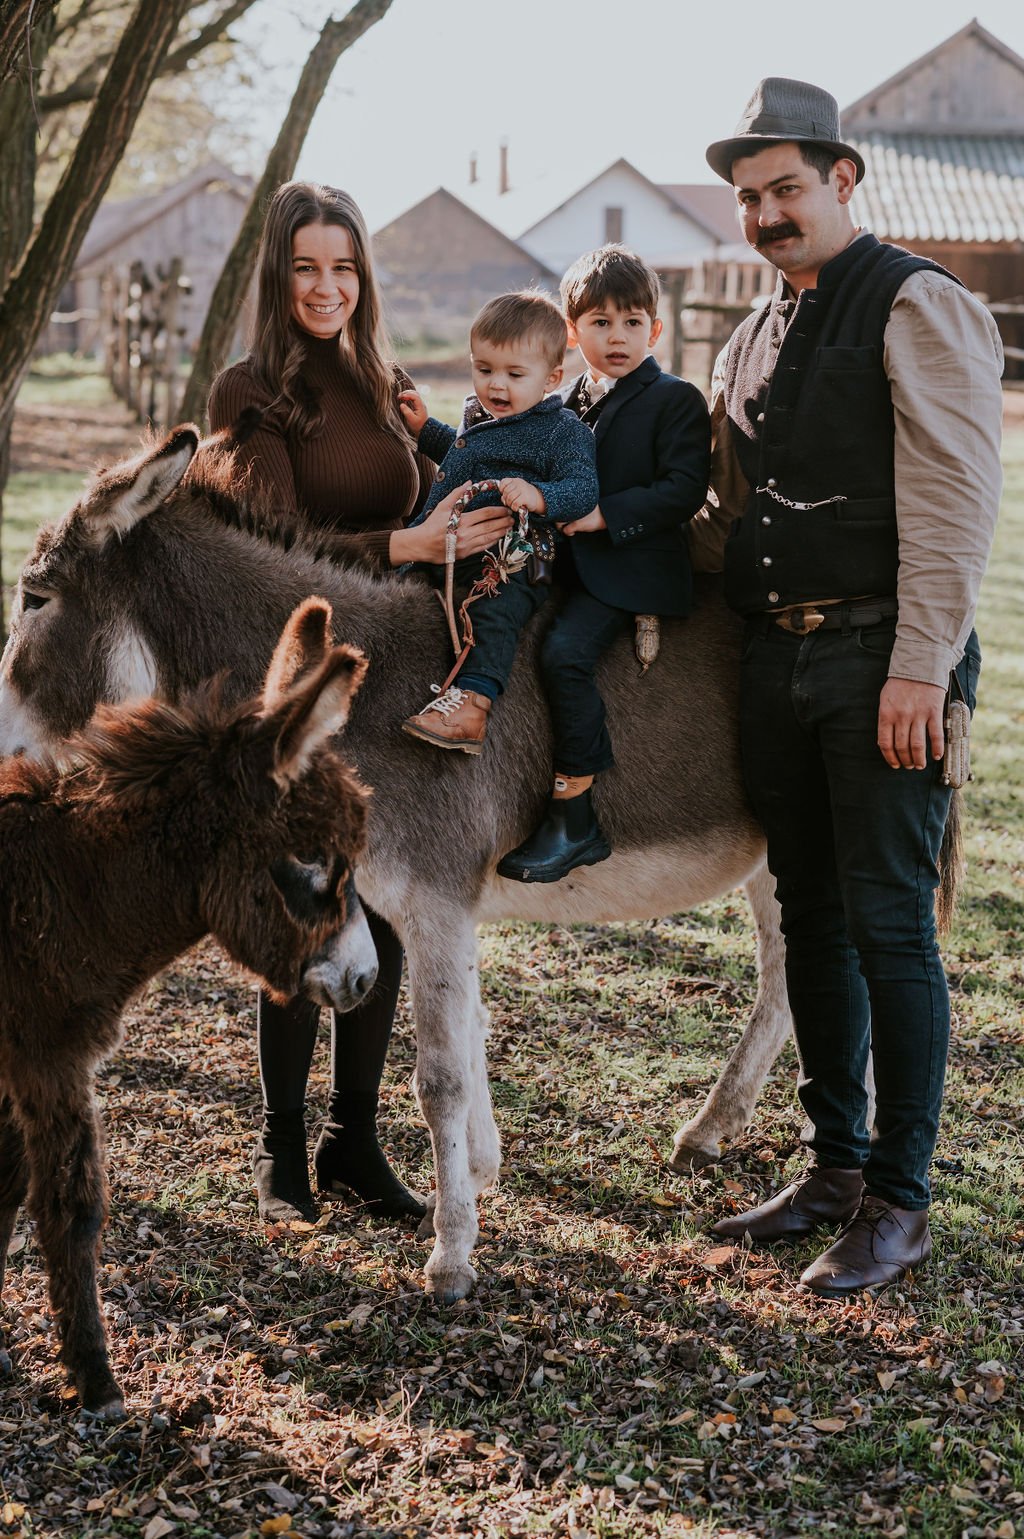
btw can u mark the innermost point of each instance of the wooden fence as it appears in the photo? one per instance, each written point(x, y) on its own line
point(143, 340)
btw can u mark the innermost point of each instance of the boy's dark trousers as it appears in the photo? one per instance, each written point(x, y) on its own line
point(498, 620)
point(581, 633)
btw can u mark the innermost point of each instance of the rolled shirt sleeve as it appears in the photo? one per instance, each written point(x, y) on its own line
point(944, 359)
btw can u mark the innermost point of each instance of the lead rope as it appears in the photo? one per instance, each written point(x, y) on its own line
point(511, 556)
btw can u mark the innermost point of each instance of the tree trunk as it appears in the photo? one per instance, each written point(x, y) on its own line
point(20, 22)
point(17, 192)
point(32, 292)
point(225, 305)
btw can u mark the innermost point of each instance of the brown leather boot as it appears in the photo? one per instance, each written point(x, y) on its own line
point(878, 1247)
point(456, 719)
point(816, 1198)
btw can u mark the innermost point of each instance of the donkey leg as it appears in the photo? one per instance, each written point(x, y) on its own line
point(730, 1103)
point(68, 1199)
point(13, 1186)
point(441, 948)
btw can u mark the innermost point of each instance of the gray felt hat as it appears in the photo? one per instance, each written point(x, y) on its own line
point(786, 110)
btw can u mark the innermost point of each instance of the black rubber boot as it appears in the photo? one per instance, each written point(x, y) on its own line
point(349, 1161)
point(281, 1169)
point(568, 837)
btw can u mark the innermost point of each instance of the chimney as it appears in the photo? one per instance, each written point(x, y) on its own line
point(503, 183)
point(473, 176)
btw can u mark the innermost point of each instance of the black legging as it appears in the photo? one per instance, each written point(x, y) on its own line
point(286, 1036)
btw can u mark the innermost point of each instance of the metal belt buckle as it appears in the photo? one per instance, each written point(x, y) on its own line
point(800, 620)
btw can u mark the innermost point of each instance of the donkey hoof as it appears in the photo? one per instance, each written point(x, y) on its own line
point(451, 1284)
point(689, 1157)
point(110, 1410)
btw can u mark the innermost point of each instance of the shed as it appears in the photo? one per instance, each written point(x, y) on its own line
point(440, 261)
point(195, 219)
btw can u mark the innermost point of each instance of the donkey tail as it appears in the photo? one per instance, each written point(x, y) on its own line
point(951, 865)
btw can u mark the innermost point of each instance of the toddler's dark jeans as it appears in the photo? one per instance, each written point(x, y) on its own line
point(853, 846)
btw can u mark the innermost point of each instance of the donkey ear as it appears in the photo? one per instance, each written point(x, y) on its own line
point(303, 646)
point(314, 710)
point(128, 493)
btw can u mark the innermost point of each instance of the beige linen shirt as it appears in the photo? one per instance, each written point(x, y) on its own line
point(943, 357)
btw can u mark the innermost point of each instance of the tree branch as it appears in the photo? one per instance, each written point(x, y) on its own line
point(222, 315)
point(32, 292)
point(84, 87)
point(18, 18)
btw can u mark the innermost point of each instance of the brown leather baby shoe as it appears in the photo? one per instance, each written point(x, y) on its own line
point(456, 719)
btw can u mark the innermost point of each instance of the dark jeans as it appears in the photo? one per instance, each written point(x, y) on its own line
point(286, 1037)
point(497, 620)
point(853, 847)
point(581, 633)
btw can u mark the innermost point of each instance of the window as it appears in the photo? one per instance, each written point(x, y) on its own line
point(613, 224)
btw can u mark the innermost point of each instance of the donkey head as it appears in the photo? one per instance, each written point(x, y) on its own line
point(69, 646)
point(254, 812)
point(282, 898)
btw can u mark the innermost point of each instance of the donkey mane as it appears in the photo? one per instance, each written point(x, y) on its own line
point(128, 752)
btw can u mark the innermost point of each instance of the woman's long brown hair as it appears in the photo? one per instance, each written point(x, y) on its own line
point(276, 350)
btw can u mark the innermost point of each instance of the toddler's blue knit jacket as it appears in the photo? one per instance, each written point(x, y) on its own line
point(547, 445)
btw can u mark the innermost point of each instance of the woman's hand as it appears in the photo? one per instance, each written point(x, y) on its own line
point(479, 529)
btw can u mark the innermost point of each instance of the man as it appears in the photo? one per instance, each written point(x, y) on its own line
point(858, 415)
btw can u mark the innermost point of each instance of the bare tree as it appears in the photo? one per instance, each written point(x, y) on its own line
point(222, 315)
point(32, 292)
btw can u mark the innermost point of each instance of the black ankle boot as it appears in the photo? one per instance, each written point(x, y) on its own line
point(568, 837)
point(349, 1160)
point(280, 1166)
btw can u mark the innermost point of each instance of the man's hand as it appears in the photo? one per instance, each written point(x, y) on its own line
point(910, 722)
point(590, 523)
point(517, 493)
point(414, 413)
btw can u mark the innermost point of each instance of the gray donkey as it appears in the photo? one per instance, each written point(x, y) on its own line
point(166, 571)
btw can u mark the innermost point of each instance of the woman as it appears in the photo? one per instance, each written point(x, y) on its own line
point(332, 448)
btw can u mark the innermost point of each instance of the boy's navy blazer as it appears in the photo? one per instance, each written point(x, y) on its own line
point(653, 441)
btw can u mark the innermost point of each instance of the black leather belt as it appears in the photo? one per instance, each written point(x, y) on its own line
point(833, 614)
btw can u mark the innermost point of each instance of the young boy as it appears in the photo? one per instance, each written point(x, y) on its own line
point(628, 555)
point(516, 433)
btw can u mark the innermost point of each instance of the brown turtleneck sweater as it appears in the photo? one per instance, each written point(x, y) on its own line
point(352, 478)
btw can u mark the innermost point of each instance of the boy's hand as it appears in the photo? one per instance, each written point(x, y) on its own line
point(414, 413)
point(517, 493)
point(590, 523)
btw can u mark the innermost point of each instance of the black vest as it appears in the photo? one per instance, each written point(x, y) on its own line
point(811, 417)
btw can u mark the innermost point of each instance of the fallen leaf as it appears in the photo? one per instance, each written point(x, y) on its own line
point(721, 1255)
point(275, 1526)
point(887, 1380)
point(783, 1415)
point(920, 1424)
point(157, 1527)
point(829, 1423)
point(626, 1483)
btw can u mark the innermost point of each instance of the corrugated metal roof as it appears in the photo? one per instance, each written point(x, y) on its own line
point(942, 187)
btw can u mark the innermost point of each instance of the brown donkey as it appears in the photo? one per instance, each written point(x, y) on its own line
point(167, 570)
point(172, 822)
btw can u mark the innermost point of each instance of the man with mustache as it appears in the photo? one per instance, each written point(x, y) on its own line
point(856, 467)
